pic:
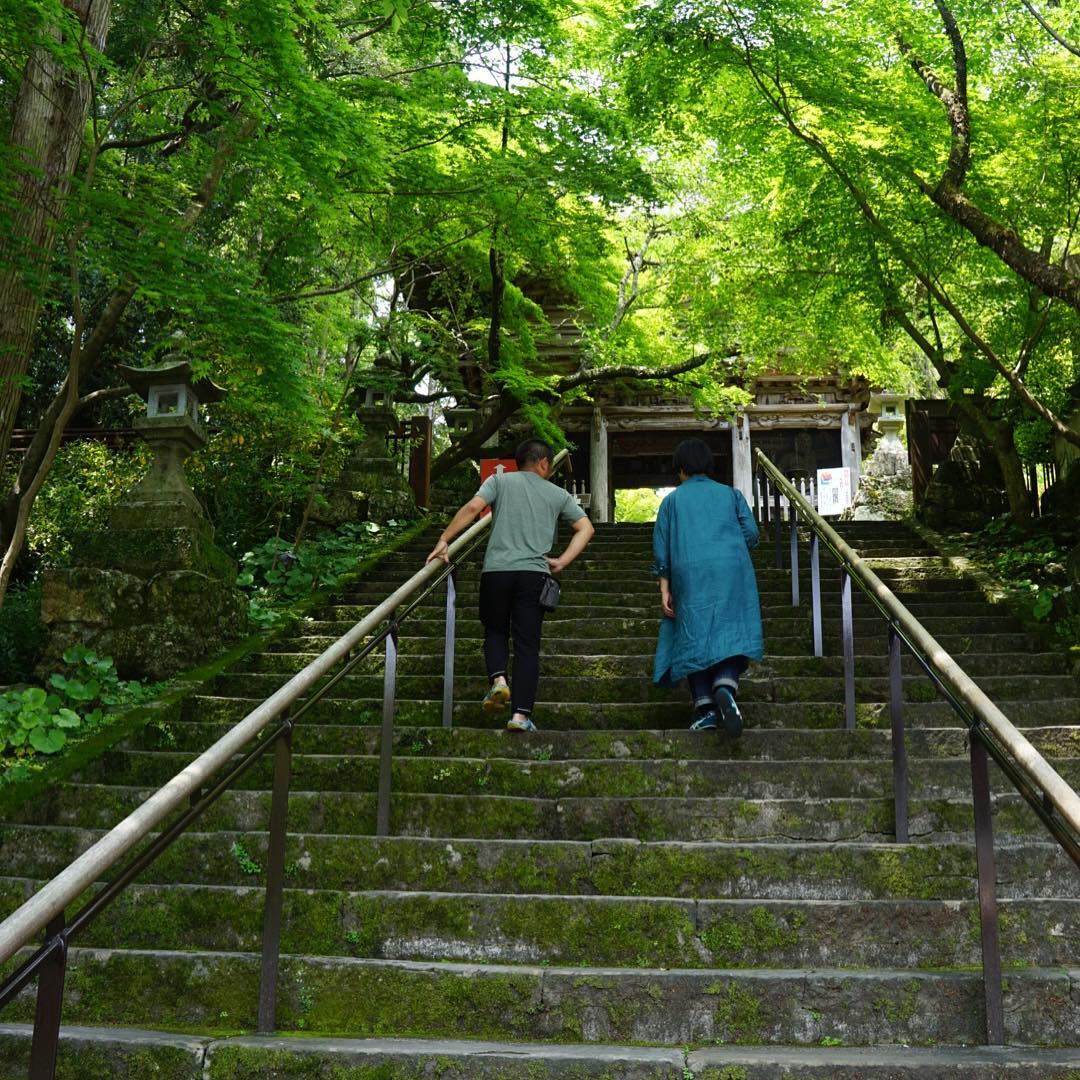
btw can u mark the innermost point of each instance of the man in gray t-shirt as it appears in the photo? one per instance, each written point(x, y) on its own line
point(526, 509)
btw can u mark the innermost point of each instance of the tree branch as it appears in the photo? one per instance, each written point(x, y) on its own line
point(1050, 30)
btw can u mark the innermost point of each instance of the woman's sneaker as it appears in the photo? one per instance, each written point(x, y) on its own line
point(705, 722)
point(520, 723)
point(728, 710)
point(497, 698)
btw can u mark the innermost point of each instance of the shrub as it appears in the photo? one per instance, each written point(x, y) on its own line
point(36, 720)
point(22, 632)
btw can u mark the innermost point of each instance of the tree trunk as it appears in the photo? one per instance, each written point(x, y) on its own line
point(47, 136)
point(999, 434)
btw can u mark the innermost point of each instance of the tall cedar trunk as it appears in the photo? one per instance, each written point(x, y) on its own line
point(47, 127)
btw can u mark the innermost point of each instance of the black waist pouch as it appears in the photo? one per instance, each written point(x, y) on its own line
point(549, 594)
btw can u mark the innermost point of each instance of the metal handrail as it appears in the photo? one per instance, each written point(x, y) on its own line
point(185, 791)
point(991, 734)
point(960, 687)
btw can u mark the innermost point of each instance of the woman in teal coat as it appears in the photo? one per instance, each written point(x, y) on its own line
point(712, 618)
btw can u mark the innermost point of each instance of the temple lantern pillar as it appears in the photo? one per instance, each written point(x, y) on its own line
point(599, 469)
point(742, 463)
point(851, 445)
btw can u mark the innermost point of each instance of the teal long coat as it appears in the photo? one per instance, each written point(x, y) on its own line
point(701, 542)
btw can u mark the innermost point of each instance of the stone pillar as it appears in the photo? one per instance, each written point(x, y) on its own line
point(742, 462)
point(850, 446)
point(599, 486)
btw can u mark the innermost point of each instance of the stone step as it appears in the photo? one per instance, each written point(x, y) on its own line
point(563, 661)
point(601, 626)
point(677, 743)
point(617, 931)
point(1004, 689)
point(928, 778)
point(568, 1004)
point(632, 716)
point(470, 638)
point(128, 1054)
point(1029, 868)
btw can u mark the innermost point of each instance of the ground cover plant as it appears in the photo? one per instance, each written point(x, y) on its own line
point(277, 574)
point(75, 702)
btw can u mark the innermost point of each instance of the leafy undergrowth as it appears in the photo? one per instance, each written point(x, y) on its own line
point(1035, 566)
point(275, 576)
point(37, 722)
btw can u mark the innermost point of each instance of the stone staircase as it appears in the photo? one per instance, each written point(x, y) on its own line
point(612, 897)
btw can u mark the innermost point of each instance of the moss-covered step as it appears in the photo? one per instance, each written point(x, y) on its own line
point(564, 1004)
point(884, 1063)
point(641, 817)
point(426, 634)
point(928, 778)
point(602, 623)
point(551, 745)
point(589, 930)
point(243, 1058)
point(603, 689)
point(632, 716)
point(100, 1053)
point(291, 656)
point(108, 1054)
point(603, 867)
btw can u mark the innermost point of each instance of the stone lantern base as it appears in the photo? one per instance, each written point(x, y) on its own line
point(157, 599)
point(370, 487)
point(885, 489)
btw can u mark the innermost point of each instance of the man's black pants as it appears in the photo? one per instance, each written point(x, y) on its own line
point(510, 607)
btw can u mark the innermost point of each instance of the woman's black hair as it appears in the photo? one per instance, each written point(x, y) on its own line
point(692, 456)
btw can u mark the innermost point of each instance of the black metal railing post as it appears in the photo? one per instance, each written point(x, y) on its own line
point(50, 1004)
point(794, 552)
point(275, 880)
point(777, 527)
point(847, 630)
point(386, 741)
point(815, 592)
point(899, 751)
point(448, 650)
point(988, 915)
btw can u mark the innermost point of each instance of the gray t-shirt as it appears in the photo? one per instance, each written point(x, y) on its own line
point(526, 510)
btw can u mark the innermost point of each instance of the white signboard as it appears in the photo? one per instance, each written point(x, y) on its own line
point(833, 491)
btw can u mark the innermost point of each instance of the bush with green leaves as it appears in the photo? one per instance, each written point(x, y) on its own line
point(1036, 562)
point(275, 576)
point(77, 701)
point(22, 633)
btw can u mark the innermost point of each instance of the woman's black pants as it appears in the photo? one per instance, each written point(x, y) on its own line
point(510, 608)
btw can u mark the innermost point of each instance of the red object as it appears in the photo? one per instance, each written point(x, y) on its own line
point(489, 466)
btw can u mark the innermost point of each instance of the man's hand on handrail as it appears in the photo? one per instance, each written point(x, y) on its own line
point(458, 523)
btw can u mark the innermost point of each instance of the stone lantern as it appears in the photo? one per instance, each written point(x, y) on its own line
point(889, 410)
point(173, 428)
point(152, 589)
point(884, 491)
point(371, 485)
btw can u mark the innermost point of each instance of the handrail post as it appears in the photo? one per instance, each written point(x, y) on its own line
point(275, 881)
point(794, 555)
point(899, 751)
point(777, 525)
point(988, 916)
point(448, 650)
point(386, 741)
point(815, 591)
point(50, 1002)
point(848, 632)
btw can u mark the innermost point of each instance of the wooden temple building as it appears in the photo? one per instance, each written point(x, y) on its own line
point(625, 437)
